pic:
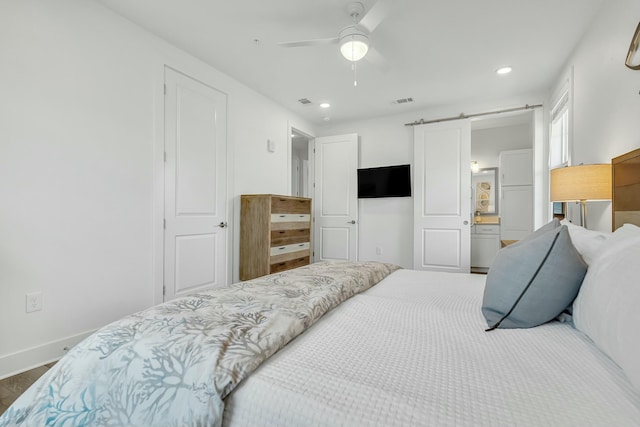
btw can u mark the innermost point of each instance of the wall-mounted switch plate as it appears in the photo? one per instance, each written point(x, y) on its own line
point(34, 302)
point(271, 145)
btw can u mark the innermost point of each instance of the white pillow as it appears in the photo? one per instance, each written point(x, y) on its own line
point(629, 230)
point(587, 242)
point(607, 306)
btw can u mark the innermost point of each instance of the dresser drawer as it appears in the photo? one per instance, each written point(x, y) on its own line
point(277, 259)
point(279, 250)
point(290, 205)
point(283, 226)
point(286, 265)
point(487, 229)
point(289, 237)
point(290, 217)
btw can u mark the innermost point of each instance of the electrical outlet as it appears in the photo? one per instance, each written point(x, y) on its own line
point(378, 250)
point(34, 302)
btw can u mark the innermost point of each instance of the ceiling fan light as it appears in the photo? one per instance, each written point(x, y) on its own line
point(354, 46)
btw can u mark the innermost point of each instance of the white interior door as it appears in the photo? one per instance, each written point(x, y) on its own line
point(195, 186)
point(295, 176)
point(305, 179)
point(336, 198)
point(442, 201)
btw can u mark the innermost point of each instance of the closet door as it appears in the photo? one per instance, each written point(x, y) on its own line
point(516, 167)
point(336, 198)
point(195, 235)
point(516, 212)
point(442, 201)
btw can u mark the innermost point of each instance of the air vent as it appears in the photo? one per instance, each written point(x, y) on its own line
point(402, 101)
point(304, 101)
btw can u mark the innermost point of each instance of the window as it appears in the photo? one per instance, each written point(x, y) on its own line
point(559, 134)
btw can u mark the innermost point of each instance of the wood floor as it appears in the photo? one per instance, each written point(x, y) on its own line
point(12, 387)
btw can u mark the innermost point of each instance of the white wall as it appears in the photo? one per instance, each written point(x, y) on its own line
point(79, 136)
point(486, 144)
point(388, 223)
point(606, 104)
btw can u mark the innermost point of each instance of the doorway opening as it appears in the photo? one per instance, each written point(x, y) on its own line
point(503, 154)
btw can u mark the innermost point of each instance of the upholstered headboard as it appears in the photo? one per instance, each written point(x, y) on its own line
point(626, 189)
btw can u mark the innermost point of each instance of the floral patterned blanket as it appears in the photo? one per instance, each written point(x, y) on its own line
point(173, 364)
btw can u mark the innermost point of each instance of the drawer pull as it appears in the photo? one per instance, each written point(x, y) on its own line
point(282, 263)
point(281, 232)
point(283, 247)
point(302, 244)
point(282, 216)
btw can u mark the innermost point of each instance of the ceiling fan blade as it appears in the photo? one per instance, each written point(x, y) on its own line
point(374, 57)
point(314, 42)
point(376, 14)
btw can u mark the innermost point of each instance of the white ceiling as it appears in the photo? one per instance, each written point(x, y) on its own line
point(438, 51)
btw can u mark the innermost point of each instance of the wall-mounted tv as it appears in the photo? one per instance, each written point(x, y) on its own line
point(387, 181)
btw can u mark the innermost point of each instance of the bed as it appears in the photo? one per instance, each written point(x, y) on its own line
point(369, 344)
point(397, 372)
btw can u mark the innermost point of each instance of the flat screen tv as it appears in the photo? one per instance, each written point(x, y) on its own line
point(387, 181)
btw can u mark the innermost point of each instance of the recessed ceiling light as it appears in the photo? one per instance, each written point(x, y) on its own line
point(325, 105)
point(504, 70)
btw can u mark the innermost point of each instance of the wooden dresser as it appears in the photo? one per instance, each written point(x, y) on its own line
point(275, 234)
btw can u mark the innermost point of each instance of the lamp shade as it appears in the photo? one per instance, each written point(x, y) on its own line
point(354, 43)
point(354, 49)
point(583, 182)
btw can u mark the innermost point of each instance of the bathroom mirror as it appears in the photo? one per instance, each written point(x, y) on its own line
point(484, 184)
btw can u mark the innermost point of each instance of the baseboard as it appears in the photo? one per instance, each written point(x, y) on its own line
point(21, 361)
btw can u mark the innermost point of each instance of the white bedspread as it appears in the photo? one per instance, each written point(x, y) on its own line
point(412, 351)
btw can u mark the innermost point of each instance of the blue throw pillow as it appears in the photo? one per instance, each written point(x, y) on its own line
point(532, 282)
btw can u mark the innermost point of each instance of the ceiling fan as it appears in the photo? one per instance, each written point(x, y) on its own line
point(354, 38)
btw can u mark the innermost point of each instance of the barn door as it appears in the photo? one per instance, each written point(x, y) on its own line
point(442, 202)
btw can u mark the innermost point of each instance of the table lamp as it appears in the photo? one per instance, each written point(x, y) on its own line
point(581, 183)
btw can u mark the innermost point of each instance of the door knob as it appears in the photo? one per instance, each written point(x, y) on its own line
point(466, 223)
point(353, 221)
point(222, 224)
